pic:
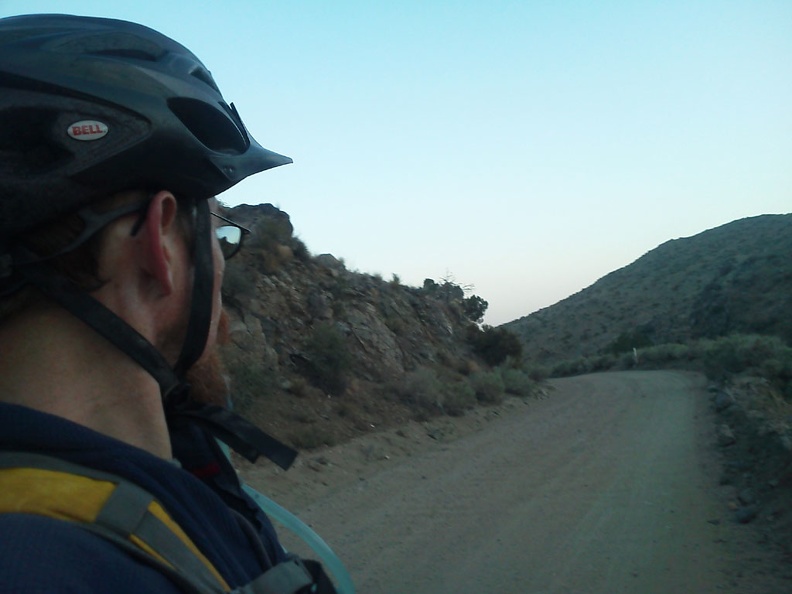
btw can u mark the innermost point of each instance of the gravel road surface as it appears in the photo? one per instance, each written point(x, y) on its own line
point(609, 485)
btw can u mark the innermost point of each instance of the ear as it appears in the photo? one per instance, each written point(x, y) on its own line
point(161, 236)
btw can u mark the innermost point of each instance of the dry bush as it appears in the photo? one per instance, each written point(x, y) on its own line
point(457, 398)
point(310, 437)
point(420, 388)
point(517, 382)
point(488, 386)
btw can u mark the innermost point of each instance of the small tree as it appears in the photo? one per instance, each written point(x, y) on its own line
point(495, 345)
point(448, 291)
point(474, 308)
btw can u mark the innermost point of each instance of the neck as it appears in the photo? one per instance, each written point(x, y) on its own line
point(54, 363)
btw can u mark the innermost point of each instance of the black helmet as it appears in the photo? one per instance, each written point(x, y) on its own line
point(94, 106)
point(90, 107)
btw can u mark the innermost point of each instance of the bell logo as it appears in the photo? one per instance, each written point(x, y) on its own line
point(88, 130)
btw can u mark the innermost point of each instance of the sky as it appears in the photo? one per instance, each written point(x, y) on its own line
point(524, 149)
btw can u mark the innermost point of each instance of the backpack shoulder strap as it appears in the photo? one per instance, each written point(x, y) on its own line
point(130, 517)
point(109, 506)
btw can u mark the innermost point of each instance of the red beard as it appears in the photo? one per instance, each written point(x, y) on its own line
point(208, 378)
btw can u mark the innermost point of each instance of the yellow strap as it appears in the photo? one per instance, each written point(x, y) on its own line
point(157, 510)
point(67, 496)
point(54, 494)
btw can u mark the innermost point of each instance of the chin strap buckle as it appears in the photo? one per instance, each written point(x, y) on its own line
point(241, 435)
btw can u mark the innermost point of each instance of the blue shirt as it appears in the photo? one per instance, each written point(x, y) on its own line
point(40, 554)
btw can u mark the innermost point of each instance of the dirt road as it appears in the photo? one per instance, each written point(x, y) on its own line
point(607, 486)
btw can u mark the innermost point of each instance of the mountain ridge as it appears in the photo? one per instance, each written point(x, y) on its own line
point(734, 278)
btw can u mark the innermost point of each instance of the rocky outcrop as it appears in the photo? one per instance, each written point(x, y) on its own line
point(313, 342)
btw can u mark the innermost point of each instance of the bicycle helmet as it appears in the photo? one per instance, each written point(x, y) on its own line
point(90, 107)
point(93, 106)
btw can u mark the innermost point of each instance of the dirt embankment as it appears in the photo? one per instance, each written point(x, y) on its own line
point(611, 484)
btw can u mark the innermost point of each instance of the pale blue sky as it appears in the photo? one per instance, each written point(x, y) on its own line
point(526, 148)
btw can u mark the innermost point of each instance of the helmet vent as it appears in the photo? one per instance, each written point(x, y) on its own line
point(205, 77)
point(214, 129)
point(26, 145)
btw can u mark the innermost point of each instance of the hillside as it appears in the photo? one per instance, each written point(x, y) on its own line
point(319, 354)
point(736, 278)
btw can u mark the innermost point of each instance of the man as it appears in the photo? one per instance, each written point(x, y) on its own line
point(114, 140)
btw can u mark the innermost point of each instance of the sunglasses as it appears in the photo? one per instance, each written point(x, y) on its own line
point(230, 236)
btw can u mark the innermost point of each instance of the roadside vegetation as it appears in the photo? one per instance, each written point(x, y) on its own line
point(721, 359)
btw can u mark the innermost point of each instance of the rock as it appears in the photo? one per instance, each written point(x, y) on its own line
point(330, 261)
point(723, 400)
point(746, 514)
point(726, 436)
point(319, 305)
point(747, 497)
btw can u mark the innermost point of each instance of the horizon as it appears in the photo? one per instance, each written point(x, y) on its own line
point(525, 149)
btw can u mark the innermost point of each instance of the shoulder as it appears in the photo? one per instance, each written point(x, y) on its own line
point(41, 554)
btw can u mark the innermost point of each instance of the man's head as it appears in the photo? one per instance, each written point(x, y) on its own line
point(107, 124)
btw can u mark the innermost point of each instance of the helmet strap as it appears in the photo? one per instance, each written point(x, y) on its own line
point(118, 332)
point(202, 292)
point(105, 322)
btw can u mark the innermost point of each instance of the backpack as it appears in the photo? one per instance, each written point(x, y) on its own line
point(132, 519)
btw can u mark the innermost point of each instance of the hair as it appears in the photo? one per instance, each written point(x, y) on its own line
point(80, 265)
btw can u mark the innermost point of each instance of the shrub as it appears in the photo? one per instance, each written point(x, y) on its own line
point(564, 369)
point(457, 398)
point(602, 363)
point(250, 382)
point(738, 353)
point(421, 388)
point(495, 345)
point(766, 356)
point(583, 365)
point(778, 367)
point(310, 437)
point(537, 373)
point(300, 250)
point(328, 359)
point(448, 291)
point(517, 382)
point(664, 353)
point(627, 341)
point(488, 386)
